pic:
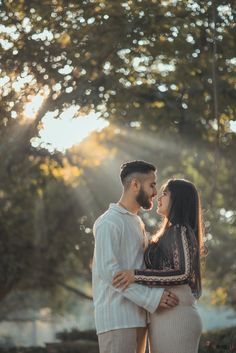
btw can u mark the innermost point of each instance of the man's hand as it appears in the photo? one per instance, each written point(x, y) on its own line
point(123, 279)
point(168, 300)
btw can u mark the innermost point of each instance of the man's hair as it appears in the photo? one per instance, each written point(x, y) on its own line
point(132, 167)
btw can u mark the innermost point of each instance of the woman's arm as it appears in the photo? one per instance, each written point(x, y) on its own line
point(179, 273)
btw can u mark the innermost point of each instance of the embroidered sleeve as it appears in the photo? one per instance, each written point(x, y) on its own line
point(178, 272)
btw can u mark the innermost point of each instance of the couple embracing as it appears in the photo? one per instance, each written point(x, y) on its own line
point(142, 286)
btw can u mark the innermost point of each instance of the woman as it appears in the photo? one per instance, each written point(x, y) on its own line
point(173, 259)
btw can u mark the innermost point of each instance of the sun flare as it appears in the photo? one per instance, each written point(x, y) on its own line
point(63, 132)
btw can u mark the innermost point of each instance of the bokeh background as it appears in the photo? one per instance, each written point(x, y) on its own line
point(85, 86)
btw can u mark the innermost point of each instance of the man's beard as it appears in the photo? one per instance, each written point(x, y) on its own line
point(143, 200)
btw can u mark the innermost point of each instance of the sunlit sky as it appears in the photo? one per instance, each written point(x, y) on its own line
point(61, 133)
point(66, 131)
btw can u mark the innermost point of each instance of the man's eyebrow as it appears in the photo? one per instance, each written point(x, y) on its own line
point(154, 183)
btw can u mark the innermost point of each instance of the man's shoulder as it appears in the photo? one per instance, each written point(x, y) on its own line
point(109, 217)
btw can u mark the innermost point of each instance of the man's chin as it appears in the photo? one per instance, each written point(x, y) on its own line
point(148, 207)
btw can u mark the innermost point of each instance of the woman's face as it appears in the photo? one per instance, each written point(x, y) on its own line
point(164, 203)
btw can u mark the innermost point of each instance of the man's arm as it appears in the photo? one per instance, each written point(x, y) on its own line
point(107, 263)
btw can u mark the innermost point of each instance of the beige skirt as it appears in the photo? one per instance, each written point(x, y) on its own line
point(176, 330)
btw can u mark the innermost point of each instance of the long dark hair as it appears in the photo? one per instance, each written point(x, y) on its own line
point(185, 208)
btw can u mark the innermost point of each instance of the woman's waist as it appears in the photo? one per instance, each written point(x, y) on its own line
point(183, 293)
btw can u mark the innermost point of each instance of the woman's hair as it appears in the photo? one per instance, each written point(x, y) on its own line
point(185, 207)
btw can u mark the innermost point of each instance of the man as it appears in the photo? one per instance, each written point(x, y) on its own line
point(121, 314)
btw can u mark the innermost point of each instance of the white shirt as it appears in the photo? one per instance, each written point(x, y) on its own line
point(119, 244)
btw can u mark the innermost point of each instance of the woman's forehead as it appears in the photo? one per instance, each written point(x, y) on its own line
point(164, 187)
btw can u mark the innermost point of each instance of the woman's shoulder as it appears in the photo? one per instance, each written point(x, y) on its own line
point(180, 226)
point(180, 229)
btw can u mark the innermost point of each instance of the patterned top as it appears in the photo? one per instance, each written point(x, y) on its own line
point(173, 260)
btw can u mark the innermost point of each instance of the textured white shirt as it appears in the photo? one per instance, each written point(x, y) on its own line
point(119, 244)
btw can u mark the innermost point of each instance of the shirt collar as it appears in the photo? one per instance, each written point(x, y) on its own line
point(118, 208)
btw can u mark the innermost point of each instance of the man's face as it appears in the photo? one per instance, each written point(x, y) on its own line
point(147, 191)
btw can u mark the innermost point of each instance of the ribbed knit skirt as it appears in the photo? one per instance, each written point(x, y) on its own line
point(176, 330)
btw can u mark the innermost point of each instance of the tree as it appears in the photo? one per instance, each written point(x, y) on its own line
point(42, 226)
point(159, 70)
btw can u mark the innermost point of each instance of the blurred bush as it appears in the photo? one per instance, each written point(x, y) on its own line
point(75, 341)
point(219, 341)
point(75, 335)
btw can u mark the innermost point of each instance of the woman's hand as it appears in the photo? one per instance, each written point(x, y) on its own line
point(168, 299)
point(122, 279)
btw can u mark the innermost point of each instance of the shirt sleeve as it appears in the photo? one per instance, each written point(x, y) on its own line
point(178, 273)
point(107, 262)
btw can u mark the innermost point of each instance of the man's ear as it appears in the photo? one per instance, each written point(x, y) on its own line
point(135, 185)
